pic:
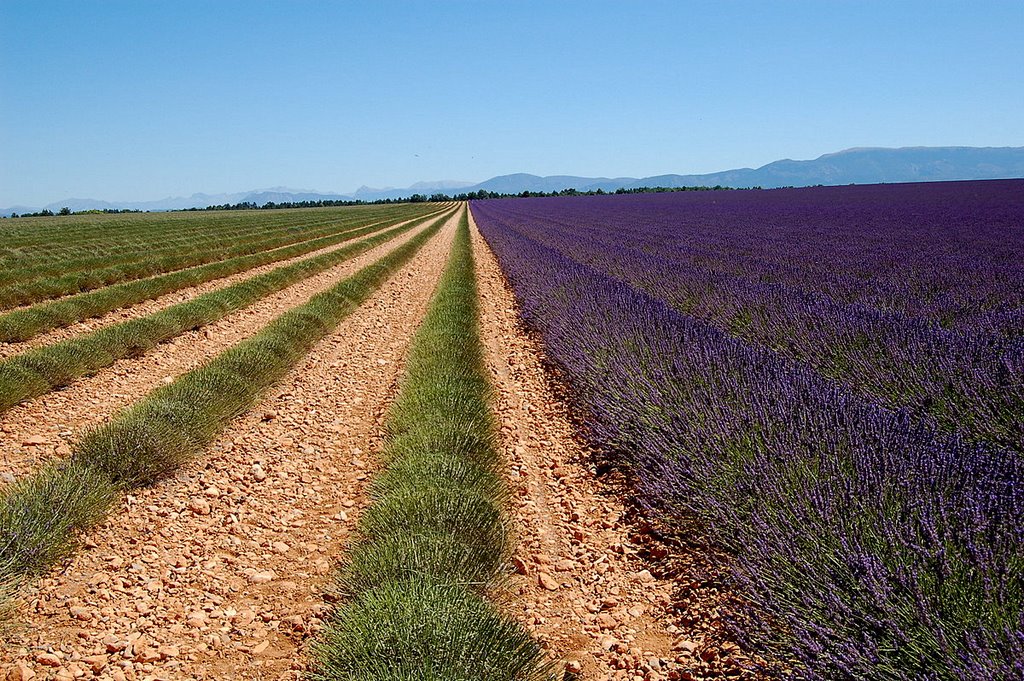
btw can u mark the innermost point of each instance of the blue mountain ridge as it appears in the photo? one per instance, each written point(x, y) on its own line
point(866, 165)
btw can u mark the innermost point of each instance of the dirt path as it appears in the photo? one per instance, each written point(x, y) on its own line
point(45, 427)
point(219, 573)
point(581, 587)
point(152, 305)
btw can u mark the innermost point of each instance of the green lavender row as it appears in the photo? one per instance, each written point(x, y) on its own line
point(147, 246)
point(47, 240)
point(21, 325)
point(152, 248)
point(39, 371)
point(41, 515)
point(63, 284)
point(435, 538)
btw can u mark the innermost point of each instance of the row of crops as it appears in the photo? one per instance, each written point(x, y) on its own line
point(435, 541)
point(41, 370)
point(70, 263)
point(42, 514)
point(828, 382)
point(28, 322)
point(797, 286)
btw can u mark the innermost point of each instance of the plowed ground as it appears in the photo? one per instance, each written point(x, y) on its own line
point(221, 571)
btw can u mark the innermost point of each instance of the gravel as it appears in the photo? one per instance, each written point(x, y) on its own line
point(61, 416)
point(219, 572)
point(580, 585)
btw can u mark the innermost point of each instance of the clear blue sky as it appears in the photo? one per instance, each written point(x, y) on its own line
point(145, 99)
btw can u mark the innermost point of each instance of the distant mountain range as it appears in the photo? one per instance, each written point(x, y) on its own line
point(852, 166)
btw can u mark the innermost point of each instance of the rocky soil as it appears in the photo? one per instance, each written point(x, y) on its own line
point(592, 582)
point(220, 572)
point(44, 427)
point(152, 305)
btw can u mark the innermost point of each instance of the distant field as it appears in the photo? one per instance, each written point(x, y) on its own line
point(696, 435)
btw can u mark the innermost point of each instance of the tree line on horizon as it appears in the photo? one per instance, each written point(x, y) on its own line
point(44, 213)
point(463, 196)
point(478, 195)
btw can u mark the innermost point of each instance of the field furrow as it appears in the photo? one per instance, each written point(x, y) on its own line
point(580, 586)
point(41, 239)
point(43, 427)
point(219, 571)
point(42, 370)
point(200, 251)
point(161, 302)
point(149, 250)
point(414, 592)
point(110, 246)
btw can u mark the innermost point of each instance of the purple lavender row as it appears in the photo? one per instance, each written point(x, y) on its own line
point(995, 312)
point(968, 381)
point(881, 547)
point(949, 253)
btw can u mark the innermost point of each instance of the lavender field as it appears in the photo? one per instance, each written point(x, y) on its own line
point(829, 381)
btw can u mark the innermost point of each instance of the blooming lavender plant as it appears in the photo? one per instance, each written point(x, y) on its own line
point(858, 287)
point(872, 543)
